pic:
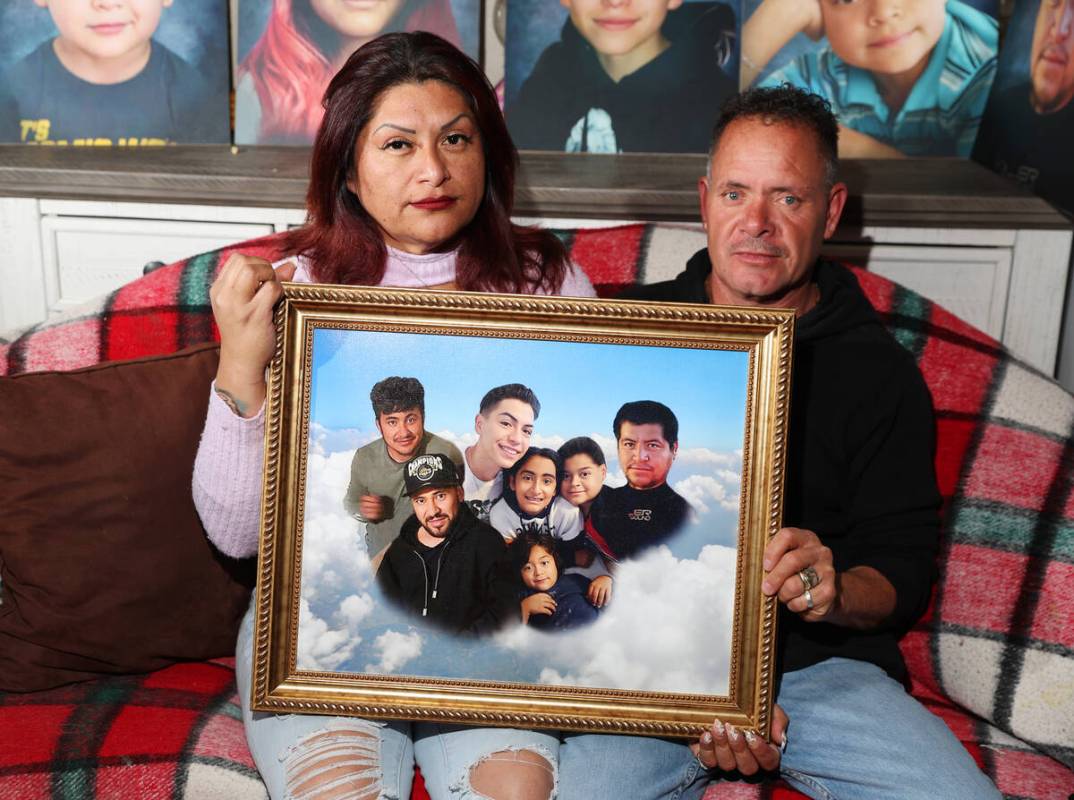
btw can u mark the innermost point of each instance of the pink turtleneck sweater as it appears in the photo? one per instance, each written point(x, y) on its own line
point(228, 467)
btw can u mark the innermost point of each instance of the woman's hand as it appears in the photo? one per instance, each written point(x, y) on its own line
point(600, 591)
point(728, 749)
point(243, 296)
point(540, 603)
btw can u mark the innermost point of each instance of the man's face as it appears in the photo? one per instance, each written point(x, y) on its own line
point(402, 432)
point(645, 455)
point(767, 211)
point(617, 27)
point(436, 509)
point(884, 36)
point(105, 29)
point(1051, 60)
point(503, 435)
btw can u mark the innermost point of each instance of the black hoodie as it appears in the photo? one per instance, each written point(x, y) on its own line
point(860, 452)
point(467, 584)
point(669, 105)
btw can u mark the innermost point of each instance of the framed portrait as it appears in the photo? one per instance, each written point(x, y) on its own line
point(914, 83)
point(575, 81)
point(504, 597)
point(161, 79)
point(1029, 122)
point(287, 52)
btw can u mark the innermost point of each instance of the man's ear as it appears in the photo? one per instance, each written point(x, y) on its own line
point(674, 449)
point(703, 196)
point(837, 198)
point(479, 422)
point(376, 421)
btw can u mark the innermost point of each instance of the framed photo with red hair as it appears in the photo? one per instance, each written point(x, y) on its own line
point(288, 51)
point(95, 74)
point(521, 511)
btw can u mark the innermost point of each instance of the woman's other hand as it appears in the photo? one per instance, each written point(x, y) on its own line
point(728, 749)
point(243, 296)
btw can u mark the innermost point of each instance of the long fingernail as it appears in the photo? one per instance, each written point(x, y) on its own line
point(751, 738)
point(766, 587)
point(706, 738)
point(718, 730)
point(732, 733)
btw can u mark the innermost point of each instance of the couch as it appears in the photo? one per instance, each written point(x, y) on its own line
point(993, 656)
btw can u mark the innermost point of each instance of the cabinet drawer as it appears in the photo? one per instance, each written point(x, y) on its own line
point(85, 257)
point(971, 282)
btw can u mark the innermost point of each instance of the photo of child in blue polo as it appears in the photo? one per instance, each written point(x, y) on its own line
point(904, 77)
point(551, 599)
point(1029, 123)
point(114, 72)
point(624, 75)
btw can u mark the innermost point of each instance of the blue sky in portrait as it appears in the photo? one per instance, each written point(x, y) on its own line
point(646, 638)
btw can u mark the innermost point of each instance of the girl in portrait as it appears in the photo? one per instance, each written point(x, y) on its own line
point(282, 78)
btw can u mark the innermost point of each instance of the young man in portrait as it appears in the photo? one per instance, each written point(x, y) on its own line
point(375, 495)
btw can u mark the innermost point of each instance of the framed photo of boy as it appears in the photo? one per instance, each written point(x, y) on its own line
point(550, 513)
point(84, 74)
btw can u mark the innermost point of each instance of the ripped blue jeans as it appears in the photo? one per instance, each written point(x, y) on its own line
point(305, 755)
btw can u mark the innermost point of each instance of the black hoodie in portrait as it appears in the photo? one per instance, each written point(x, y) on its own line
point(668, 105)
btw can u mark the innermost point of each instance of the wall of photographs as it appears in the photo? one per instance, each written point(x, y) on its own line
point(906, 77)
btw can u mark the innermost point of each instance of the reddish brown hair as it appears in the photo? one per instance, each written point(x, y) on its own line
point(345, 245)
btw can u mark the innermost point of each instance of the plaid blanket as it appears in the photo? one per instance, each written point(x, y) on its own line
point(994, 655)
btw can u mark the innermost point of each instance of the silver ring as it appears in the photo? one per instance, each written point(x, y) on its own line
point(809, 578)
point(808, 599)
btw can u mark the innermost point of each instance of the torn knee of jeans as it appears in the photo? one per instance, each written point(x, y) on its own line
point(339, 762)
point(514, 774)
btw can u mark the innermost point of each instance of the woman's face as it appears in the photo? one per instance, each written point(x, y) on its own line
point(535, 484)
point(540, 572)
point(356, 20)
point(582, 479)
point(420, 166)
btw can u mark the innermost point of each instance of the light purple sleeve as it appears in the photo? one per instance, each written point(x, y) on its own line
point(227, 477)
point(575, 283)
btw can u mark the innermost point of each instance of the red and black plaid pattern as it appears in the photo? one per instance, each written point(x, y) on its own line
point(176, 733)
point(994, 655)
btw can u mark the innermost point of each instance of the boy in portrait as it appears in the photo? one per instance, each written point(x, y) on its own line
point(104, 80)
point(904, 77)
point(628, 76)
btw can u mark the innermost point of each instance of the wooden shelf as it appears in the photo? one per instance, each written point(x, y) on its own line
point(938, 193)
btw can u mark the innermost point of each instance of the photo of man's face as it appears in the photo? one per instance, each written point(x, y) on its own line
point(1051, 60)
point(645, 454)
point(437, 508)
point(402, 432)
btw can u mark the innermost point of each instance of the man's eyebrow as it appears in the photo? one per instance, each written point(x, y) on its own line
point(509, 415)
point(396, 127)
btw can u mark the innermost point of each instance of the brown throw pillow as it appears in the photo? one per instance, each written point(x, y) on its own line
point(105, 566)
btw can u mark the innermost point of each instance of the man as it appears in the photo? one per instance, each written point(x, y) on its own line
point(626, 520)
point(1027, 127)
point(855, 567)
point(504, 426)
point(447, 566)
point(376, 487)
point(1051, 60)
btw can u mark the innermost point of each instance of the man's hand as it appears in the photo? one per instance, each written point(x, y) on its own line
point(373, 508)
point(861, 597)
point(600, 591)
point(791, 551)
point(770, 27)
point(728, 749)
point(540, 603)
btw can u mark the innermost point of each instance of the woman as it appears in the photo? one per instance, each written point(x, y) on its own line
point(412, 181)
point(282, 79)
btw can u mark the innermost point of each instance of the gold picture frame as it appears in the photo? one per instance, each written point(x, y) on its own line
point(333, 343)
